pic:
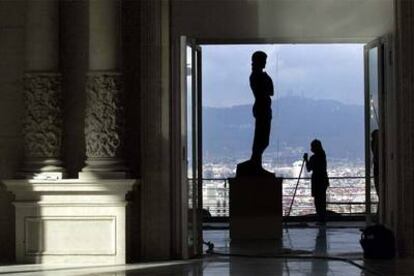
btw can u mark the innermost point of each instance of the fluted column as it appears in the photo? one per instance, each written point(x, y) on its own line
point(155, 191)
point(104, 118)
point(400, 214)
point(42, 127)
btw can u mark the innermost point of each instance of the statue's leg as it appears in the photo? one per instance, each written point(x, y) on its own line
point(261, 140)
point(256, 155)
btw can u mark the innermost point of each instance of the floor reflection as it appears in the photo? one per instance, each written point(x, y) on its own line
point(255, 258)
point(321, 249)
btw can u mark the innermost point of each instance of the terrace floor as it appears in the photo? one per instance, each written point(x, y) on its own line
point(306, 249)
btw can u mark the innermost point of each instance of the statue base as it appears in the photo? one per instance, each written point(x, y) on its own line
point(255, 208)
point(250, 169)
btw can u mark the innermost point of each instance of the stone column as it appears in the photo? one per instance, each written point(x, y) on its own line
point(42, 126)
point(155, 192)
point(105, 118)
point(400, 194)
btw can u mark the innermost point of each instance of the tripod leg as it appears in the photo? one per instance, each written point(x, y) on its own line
point(294, 193)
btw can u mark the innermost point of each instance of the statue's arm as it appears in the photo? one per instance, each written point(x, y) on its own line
point(254, 86)
point(272, 90)
point(309, 163)
point(269, 86)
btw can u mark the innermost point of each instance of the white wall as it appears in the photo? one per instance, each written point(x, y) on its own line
point(291, 20)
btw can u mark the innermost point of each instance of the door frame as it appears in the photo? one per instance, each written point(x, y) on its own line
point(179, 151)
point(385, 80)
point(367, 115)
point(179, 234)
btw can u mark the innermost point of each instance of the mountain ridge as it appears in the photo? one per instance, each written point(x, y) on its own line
point(228, 131)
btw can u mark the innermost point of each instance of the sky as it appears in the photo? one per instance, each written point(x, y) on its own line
point(317, 71)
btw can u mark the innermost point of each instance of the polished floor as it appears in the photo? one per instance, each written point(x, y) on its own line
point(305, 249)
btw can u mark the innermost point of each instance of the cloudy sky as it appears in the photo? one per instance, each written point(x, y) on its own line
point(329, 71)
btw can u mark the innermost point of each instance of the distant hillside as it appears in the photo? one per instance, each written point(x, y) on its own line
point(296, 121)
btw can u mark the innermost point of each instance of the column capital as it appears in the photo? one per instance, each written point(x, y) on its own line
point(104, 126)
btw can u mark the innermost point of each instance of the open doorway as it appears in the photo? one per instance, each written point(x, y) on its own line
point(320, 93)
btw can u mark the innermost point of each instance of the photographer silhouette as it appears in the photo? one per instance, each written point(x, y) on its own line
point(319, 179)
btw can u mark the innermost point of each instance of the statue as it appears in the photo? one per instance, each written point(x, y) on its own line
point(262, 88)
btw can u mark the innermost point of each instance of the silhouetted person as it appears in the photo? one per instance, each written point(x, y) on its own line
point(319, 180)
point(262, 88)
point(374, 149)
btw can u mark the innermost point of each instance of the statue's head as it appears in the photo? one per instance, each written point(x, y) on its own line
point(259, 60)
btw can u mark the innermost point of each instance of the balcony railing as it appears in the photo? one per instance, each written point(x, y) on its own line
point(345, 196)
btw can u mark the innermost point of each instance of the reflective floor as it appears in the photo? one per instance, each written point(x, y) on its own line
point(304, 250)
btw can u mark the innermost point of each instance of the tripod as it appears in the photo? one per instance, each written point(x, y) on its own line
point(296, 188)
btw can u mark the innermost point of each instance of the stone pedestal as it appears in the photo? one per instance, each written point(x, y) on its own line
point(70, 221)
point(255, 208)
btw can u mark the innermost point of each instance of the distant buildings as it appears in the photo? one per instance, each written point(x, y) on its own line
point(345, 195)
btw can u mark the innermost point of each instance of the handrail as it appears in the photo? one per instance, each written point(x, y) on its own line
point(288, 178)
point(218, 203)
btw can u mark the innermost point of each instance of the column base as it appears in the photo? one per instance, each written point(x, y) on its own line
point(104, 168)
point(102, 175)
point(42, 169)
point(70, 221)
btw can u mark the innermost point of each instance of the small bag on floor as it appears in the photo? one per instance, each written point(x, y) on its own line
point(378, 242)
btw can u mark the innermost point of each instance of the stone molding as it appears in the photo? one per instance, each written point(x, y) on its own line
point(105, 120)
point(29, 190)
point(42, 126)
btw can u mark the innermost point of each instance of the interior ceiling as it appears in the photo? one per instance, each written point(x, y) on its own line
point(322, 20)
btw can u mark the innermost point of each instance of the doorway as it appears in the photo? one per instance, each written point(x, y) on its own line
point(209, 164)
